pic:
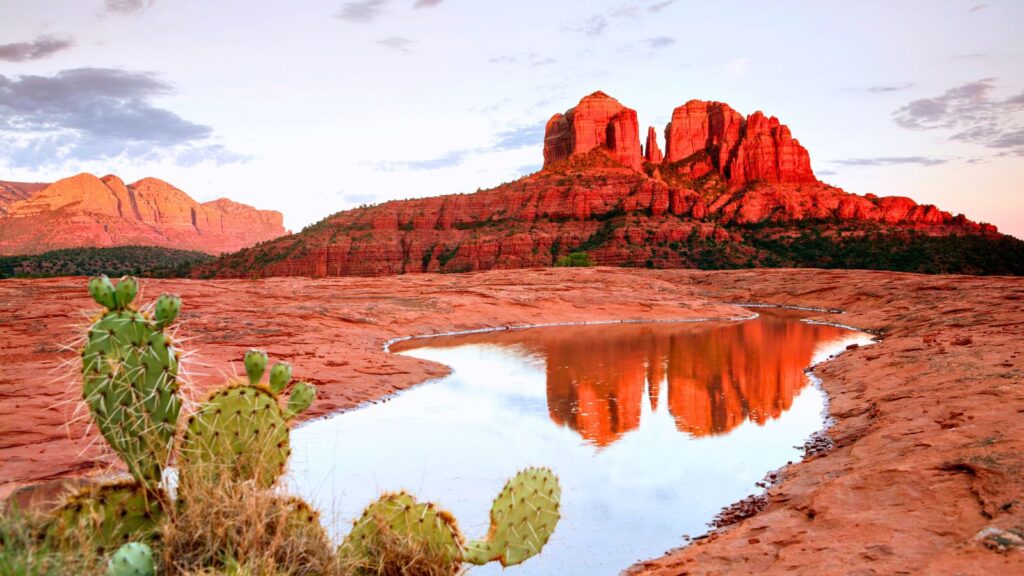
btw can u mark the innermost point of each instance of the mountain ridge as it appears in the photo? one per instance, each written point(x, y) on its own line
point(85, 210)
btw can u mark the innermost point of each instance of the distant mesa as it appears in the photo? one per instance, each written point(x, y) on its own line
point(728, 191)
point(86, 211)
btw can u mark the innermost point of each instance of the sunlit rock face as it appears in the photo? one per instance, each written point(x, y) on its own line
point(600, 191)
point(84, 210)
point(598, 121)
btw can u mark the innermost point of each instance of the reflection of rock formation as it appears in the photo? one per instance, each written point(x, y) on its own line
point(712, 379)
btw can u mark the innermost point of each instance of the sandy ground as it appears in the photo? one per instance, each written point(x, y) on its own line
point(927, 470)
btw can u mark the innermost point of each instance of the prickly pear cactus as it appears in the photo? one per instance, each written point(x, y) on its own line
point(242, 430)
point(400, 514)
point(129, 373)
point(523, 517)
point(108, 515)
point(132, 559)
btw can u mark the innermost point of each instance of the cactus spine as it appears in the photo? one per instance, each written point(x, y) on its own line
point(129, 372)
point(241, 430)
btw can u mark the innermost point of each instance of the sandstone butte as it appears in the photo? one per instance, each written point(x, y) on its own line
point(924, 471)
point(602, 192)
point(84, 210)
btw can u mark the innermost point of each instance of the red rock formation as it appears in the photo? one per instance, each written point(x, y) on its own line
point(652, 153)
point(767, 152)
point(598, 121)
point(699, 126)
point(743, 151)
point(84, 210)
point(720, 171)
point(11, 192)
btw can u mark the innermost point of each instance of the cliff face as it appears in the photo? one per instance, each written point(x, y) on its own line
point(598, 121)
point(84, 210)
point(723, 178)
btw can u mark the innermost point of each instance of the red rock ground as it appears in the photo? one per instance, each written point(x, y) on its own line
point(925, 475)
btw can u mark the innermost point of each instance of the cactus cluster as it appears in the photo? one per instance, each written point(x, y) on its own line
point(130, 377)
point(240, 434)
point(241, 431)
point(523, 517)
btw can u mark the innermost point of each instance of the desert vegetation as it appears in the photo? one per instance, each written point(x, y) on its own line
point(151, 261)
point(225, 513)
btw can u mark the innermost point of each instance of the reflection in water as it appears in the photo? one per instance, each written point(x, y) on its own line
point(652, 428)
point(715, 375)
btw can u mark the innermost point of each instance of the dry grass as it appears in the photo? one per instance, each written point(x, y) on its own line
point(25, 551)
point(223, 528)
point(239, 528)
point(398, 555)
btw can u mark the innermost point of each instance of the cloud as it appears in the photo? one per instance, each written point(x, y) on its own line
point(128, 6)
point(592, 26)
point(885, 88)
point(531, 59)
point(888, 161)
point(520, 137)
point(598, 24)
point(97, 113)
point(41, 47)
point(970, 56)
point(736, 68)
point(659, 6)
point(970, 114)
point(357, 198)
point(398, 43)
point(426, 3)
point(512, 139)
point(362, 11)
point(978, 7)
point(661, 42)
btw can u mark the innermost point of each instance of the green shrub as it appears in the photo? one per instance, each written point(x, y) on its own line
point(575, 260)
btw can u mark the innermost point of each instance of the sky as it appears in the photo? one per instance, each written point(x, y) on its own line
point(318, 106)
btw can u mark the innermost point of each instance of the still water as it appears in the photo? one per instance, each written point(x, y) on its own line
point(652, 429)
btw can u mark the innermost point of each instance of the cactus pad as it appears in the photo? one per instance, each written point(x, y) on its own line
point(129, 373)
point(132, 559)
point(108, 515)
point(523, 517)
point(399, 514)
point(242, 430)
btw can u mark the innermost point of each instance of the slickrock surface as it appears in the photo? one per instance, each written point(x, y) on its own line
point(927, 471)
point(84, 210)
